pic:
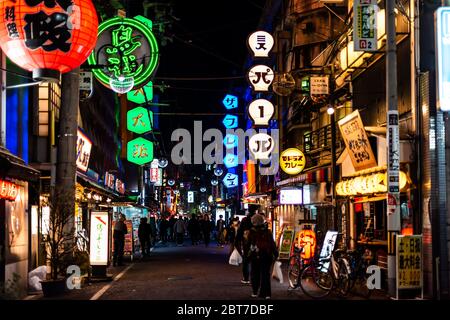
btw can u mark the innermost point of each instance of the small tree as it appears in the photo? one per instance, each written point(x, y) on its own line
point(59, 241)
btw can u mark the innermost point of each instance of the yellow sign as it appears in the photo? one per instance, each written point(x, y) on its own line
point(374, 183)
point(409, 262)
point(357, 142)
point(292, 161)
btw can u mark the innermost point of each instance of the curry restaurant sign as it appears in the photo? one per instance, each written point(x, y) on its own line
point(357, 142)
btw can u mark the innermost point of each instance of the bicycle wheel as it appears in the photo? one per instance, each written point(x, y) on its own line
point(294, 270)
point(315, 283)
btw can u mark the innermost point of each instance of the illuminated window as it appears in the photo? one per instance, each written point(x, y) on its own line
point(49, 104)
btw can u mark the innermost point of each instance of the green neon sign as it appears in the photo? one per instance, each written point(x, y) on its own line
point(127, 47)
point(139, 120)
point(138, 96)
point(140, 151)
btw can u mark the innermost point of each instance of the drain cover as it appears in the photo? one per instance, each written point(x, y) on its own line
point(179, 278)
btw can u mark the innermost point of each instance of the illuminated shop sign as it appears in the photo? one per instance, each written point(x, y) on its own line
point(128, 49)
point(291, 196)
point(120, 186)
point(260, 78)
point(230, 102)
point(8, 190)
point(292, 161)
point(109, 180)
point(260, 43)
point(140, 151)
point(84, 146)
point(139, 120)
point(261, 112)
point(230, 180)
point(230, 121)
point(99, 239)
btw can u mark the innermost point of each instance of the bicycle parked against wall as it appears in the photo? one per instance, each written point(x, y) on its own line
point(356, 263)
point(295, 267)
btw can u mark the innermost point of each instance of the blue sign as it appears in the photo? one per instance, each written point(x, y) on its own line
point(230, 180)
point(231, 160)
point(443, 57)
point(230, 102)
point(230, 141)
point(230, 121)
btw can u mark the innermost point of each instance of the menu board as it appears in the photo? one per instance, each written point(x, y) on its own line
point(128, 248)
point(409, 262)
point(286, 243)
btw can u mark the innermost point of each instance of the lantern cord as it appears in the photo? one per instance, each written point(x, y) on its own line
point(17, 74)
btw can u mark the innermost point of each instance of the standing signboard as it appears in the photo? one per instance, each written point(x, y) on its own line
point(99, 239)
point(409, 262)
point(393, 171)
point(365, 25)
point(286, 243)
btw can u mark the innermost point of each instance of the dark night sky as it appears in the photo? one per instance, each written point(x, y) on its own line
point(209, 40)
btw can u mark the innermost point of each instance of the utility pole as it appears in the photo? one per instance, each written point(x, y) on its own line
point(67, 143)
point(393, 145)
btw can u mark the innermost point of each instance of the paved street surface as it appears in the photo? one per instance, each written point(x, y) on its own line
point(180, 273)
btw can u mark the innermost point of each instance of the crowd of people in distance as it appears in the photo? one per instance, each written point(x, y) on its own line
point(251, 237)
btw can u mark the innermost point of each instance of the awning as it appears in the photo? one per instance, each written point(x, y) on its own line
point(311, 175)
point(88, 183)
point(14, 167)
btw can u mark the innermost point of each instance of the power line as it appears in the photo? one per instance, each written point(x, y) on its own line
point(200, 79)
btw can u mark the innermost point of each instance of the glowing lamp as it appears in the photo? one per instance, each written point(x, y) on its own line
point(48, 37)
point(121, 84)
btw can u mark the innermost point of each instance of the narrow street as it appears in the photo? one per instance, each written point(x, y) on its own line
point(181, 273)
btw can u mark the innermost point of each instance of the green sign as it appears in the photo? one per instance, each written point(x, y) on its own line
point(139, 96)
point(286, 243)
point(139, 120)
point(140, 151)
point(125, 48)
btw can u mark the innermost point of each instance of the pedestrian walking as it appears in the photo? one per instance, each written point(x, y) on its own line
point(206, 229)
point(242, 245)
point(194, 229)
point(263, 252)
point(144, 235)
point(179, 229)
point(231, 233)
point(120, 230)
point(220, 227)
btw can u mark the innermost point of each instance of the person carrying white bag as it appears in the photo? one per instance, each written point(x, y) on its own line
point(235, 258)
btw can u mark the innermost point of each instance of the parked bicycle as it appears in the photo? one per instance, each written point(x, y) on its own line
point(356, 263)
point(324, 275)
point(295, 267)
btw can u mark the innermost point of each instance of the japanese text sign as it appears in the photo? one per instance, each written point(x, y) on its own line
point(365, 25)
point(8, 190)
point(292, 161)
point(409, 262)
point(260, 43)
point(84, 146)
point(357, 142)
point(140, 151)
point(99, 239)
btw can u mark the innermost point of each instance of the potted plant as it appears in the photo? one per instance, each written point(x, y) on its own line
point(58, 242)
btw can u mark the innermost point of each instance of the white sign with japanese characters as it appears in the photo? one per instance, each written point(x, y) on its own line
point(319, 85)
point(260, 78)
point(261, 145)
point(365, 25)
point(99, 239)
point(261, 112)
point(260, 43)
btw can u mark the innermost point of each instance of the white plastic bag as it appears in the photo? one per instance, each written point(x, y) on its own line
point(235, 258)
point(35, 283)
point(277, 273)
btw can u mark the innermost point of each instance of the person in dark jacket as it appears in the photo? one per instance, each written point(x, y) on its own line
point(144, 234)
point(263, 252)
point(120, 230)
point(194, 229)
point(243, 247)
point(206, 229)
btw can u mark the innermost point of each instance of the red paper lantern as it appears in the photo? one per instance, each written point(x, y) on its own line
point(48, 37)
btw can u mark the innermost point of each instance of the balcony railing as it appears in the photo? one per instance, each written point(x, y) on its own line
point(301, 6)
point(320, 140)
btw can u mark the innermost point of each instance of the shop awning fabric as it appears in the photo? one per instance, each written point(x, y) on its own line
point(14, 167)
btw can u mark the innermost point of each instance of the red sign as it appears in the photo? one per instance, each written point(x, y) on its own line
point(154, 175)
point(50, 35)
point(8, 190)
point(120, 186)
